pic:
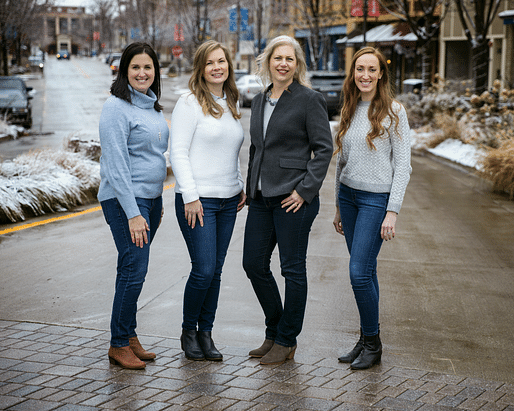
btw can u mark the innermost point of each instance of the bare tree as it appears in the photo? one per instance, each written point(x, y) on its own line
point(17, 22)
point(317, 15)
point(426, 27)
point(104, 11)
point(476, 16)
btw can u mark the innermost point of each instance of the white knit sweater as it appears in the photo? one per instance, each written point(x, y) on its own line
point(384, 170)
point(204, 151)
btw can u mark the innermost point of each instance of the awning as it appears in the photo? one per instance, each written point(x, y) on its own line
point(507, 16)
point(385, 33)
point(324, 31)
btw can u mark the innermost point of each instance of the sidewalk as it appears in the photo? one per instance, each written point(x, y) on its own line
point(46, 367)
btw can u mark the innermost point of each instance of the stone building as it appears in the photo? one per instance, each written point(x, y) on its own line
point(67, 28)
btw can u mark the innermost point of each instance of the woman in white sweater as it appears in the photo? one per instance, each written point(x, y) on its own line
point(204, 155)
point(372, 173)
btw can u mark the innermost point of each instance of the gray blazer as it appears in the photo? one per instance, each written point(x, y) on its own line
point(297, 150)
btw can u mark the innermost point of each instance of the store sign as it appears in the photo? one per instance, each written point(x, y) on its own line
point(357, 9)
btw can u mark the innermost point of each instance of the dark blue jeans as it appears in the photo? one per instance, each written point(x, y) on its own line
point(132, 265)
point(362, 214)
point(267, 225)
point(207, 248)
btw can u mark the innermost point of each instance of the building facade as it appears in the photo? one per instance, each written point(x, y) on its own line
point(455, 50)
point(67, 28)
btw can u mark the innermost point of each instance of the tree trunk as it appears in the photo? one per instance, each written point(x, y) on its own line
point(427, 62)
point(480, 66)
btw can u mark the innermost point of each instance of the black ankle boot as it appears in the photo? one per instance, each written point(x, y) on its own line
point(190, 345)
point(370, 355)
point(210, 352)
point(353, 354)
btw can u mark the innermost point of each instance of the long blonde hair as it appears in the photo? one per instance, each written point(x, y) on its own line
point(380, 107)
point(263, 70)
point(198, 85)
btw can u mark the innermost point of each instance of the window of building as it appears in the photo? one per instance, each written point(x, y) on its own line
point(63, 25)
point(75, 25)
point(50, 25)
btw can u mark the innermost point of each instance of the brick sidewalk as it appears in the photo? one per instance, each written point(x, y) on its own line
point(46, 367)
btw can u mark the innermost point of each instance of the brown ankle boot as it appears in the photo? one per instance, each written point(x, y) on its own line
point(262, 350)
point(278, 355)
point(140, 352)
point(124, 357)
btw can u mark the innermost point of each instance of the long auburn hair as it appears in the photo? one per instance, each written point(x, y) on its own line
point(198, 85)
point(119, 87)
point(263, 70)
point(381, 106)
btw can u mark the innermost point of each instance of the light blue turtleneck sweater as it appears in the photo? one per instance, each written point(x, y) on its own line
point(134, 138)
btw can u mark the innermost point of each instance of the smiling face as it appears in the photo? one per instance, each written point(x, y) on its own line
point(216, 71)
point(367, 73)
point(141, 72)
point(282, 65)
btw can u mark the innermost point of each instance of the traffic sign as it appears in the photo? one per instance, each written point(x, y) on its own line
point(177, 51)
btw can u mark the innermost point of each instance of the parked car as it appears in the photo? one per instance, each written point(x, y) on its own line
point(15, 105)
point(238, 73)
point(63, 55)
point(36, 63)
point(249, 86)
point(330, 84)
point(115, 67)
point(111, 57)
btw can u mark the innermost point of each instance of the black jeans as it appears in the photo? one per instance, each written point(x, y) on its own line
point(267, 225)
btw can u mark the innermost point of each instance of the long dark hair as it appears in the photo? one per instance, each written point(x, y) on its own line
point(199, 88)
point(120, 84)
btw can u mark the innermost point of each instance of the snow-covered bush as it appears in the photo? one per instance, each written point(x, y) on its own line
point(46, 181)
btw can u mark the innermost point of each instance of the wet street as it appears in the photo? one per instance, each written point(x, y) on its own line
point(447, 280)
point(68, 100)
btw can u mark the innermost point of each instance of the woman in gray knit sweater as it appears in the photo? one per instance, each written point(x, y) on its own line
point(372, 173)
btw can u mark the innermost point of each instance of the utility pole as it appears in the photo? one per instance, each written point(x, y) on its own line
point(365, 14)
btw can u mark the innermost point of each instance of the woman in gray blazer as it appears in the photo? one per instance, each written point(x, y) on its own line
point(291, 148)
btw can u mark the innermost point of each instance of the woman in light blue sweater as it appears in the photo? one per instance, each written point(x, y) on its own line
point(133, 136)
point(372, 173)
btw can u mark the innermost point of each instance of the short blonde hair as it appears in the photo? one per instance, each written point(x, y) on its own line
point(263, 60)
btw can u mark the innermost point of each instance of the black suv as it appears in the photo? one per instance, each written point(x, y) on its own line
point(15, 101)
point(330, 84)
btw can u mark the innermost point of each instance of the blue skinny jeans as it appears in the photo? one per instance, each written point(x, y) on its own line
point(132, 265)
point(362, 214)
point(207, 248)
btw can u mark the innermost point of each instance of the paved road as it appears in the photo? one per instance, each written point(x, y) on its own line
point(447, 281)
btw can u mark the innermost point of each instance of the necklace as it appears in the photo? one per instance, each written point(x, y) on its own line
point(272, 102)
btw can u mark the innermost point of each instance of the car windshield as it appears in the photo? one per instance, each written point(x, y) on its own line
point(326, 81)
point(12, 93)
point(11, 83)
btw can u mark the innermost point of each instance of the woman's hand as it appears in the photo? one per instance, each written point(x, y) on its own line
point(388, 226)
point(194, 210)
point(293, 202)
point(337, 222)
point(138, 228)
point(242, 201)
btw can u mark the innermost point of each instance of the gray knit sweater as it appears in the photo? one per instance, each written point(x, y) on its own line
point(384, 170)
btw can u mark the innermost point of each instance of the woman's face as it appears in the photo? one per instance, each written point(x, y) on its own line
point(283, 65)
point(141, 72)
point(367, 73)
point(216, 70)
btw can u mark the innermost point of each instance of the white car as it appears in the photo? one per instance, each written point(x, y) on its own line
point(249, 86)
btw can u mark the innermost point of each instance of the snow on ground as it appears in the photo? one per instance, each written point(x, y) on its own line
point(46, 181)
